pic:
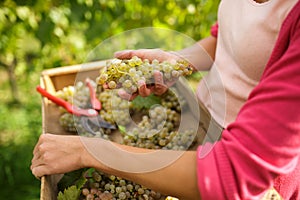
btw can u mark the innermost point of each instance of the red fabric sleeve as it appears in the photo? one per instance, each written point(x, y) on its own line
point(264, 141)
point(214, 30)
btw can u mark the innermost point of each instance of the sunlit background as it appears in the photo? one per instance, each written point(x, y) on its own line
point(42, 34)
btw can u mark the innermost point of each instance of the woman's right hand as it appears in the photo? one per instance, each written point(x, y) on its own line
point(159, 87)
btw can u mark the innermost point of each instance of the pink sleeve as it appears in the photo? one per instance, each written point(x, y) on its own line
point(214, 29)
point(264, 141)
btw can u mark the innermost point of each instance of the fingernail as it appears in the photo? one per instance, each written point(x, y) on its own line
point(121, 92)
point(141, 83)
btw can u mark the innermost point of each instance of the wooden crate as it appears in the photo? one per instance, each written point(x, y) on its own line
point(57, 78)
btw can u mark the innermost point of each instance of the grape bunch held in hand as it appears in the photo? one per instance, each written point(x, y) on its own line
point(130, 74)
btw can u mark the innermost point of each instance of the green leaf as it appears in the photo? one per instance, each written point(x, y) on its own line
point(80, 183)
point(71, 193)
point(145, 102)
point(71, 178)
point(122, 129)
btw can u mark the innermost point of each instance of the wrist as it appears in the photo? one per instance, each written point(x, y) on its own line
point(87, 159)
point(180, 56)
point(174, 55)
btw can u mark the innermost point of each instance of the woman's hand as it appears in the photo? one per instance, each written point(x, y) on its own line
point(149, 54)
point(55, 154)
point(159, 87)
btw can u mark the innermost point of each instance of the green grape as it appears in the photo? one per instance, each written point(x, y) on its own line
point(127, 84)
point(122, 182)
point(175, 74)
point(85, 191)
point(107, 186)
point(129, 187)
point(122, 195)
point(112, 84)
point(118, 190)
point(96, 176)
point(112, 177)
point(94, 191)
point(140, 191)
point(66, 121)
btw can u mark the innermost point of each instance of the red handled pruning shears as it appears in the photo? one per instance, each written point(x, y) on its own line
point(88, 117)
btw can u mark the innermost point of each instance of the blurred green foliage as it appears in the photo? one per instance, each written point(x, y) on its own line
point(41, 34)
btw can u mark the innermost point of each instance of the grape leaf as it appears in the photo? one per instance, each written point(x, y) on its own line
point(71, 193)
point(122, 129)
point(72, 178)
point(145, 102)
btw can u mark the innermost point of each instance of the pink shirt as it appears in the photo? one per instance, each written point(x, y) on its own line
point(263, 143)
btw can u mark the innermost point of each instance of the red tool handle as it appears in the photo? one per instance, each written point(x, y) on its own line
point(69, 107)
point(94, 100)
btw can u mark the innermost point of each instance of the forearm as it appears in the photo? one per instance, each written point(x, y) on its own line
point(201, 55)
point(162, 170)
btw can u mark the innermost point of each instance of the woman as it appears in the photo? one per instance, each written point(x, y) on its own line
point(255, 99)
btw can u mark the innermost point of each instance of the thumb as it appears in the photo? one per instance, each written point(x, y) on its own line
point(125, 54)
point(126, 96)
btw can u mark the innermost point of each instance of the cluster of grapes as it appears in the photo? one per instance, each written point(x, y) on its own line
point(152, 131)
point(181, 140)
point(173, 100)
point(114, 108)
point(158, 130)
point(77, 95)
point(127, 73)
point(101, 186)
point(71, 123)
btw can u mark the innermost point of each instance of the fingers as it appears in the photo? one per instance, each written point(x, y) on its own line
point(37, 165)
point(37, 161)
point(56, 154)
point(144, 91)
point(41, 155)
point(124, 95)
point(160, 87)
point(170, 83)
point(38, 154)
point(40, 141)
point(149, 54)
point(39, 171)
point(127, 54)
point(105, 86)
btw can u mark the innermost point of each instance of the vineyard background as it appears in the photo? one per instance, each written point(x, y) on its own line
point(42, 34)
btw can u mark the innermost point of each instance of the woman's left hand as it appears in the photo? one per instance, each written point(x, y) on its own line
point(55, 154)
